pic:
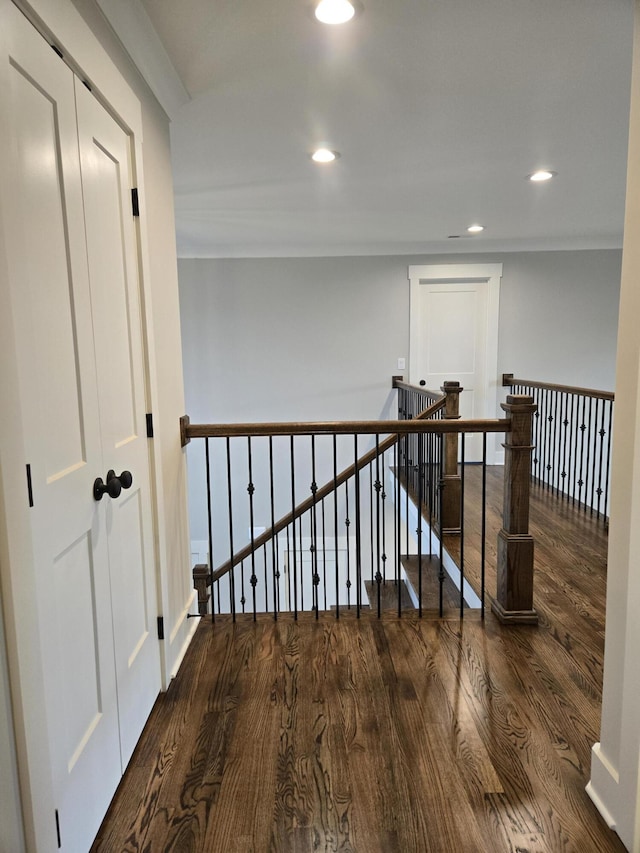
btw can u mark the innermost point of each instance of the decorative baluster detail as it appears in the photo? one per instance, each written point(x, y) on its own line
point(275, 564)
point(251, 491)
point(232, 573)
point(347, 524)
point(209, 520)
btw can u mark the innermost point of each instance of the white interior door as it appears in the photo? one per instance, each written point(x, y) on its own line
point(75, 306)
point(454, 337)
point(105, 156)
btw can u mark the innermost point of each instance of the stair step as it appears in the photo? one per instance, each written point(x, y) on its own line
point(389, 596)
point(430, 582)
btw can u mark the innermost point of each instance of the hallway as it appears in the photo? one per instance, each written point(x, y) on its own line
point(392, 735)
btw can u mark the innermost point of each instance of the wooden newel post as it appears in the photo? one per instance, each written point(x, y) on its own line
point(514, 601)
point(202, 580)
point(452, 490)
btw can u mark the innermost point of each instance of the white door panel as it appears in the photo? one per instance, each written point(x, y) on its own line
point(69, 231)
point(52, 312)
point(107, 180)
point(453, 337)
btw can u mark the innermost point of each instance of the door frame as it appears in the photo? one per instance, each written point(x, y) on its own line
point(489, 274)
point(61, 24)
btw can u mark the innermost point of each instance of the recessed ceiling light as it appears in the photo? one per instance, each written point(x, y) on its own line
point(542, 175)
point(335, 11)
point(475, 229)
point(324, 155)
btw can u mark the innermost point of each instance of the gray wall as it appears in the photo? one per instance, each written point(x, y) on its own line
point(319, 338)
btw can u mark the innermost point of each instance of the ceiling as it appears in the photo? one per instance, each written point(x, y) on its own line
point(439, 108)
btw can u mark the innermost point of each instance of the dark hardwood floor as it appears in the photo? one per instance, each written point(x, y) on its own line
point(391, 735)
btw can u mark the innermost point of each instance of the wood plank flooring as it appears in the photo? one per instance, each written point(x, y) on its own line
point(391, 735)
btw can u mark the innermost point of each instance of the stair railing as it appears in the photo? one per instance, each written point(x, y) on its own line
point(332, 541)
point(572, 434)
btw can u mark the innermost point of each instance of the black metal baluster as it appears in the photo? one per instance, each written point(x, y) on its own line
point(608, 470)
point(573, 449)
point(251, 489)
point(583, 429)
point(274, 550)
point(266, 579)
point(556, 450)
point(335, 521)
point(483, 534)
point(564, 403)
point(462, 514)
point(538, 424)
point(209, 521)
point(232, 572)
point(293, 530)
point(383, 496)
point(243, 600)
point(358, 530)
point(588, 471)
point(347, 525)
point(431, 490)
point(440, 535)
point(371, 502)
point(547, 439)
point(324, 556)
point(378, 488)
point(315, 578)
point(601, 434)
point(301, 540)
point(405, 440)
point(419, 530)
point(542, 441)
point(398, 525)
point(288, 565)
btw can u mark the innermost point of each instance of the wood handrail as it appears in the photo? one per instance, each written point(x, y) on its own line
point(322, 493)
point(508, 381)
point(416, 424)
point(420, 389)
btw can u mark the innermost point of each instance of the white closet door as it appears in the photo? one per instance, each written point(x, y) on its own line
point(70, 236)
point(43, 219)
point(113, 273)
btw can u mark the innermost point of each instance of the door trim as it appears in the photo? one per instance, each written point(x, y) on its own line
point(460, 273)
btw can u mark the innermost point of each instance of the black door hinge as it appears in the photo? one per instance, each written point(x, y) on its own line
point(29, 486)
point(135, 205)
point(58, 829)
point(149, 425)
point(161, 627)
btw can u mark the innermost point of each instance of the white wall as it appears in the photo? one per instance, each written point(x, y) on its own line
point(615, 766)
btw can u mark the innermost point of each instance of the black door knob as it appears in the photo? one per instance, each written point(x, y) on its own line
point(422, 382)
point(113, 486)
point(126, 478)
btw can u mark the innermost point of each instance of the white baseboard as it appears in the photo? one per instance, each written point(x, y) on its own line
point(603, 786)
point(192, 602)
